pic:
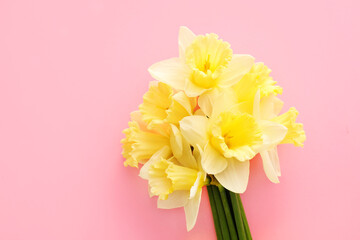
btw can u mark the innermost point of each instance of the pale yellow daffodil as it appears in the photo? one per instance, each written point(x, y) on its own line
point(150, 129)
point(229, 138)
point(176, 179)
point(140, 143)
point(268, 108)
point(205, 63)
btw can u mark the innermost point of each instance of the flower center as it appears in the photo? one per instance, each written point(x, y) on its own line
point(234, 134)
point(208, 56)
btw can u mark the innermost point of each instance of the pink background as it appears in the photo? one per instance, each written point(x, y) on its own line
point(72, 71)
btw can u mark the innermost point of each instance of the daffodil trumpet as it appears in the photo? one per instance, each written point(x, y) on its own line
point(201, 124)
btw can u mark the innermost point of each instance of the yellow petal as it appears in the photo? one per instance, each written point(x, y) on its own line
point(179, 108)
point(273, 133)
point(192, 210)
point(194, 130)
point(269, 166)
point(176, 141)
point(186, 37)
point(172, 71)
point(175, 200)
point(239, 65)
point(235, 177)
point(213, 161)
point(270, 107)
point(192, 90)
point(181, 149)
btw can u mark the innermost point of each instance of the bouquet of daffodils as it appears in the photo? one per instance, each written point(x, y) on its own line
point(201, 124)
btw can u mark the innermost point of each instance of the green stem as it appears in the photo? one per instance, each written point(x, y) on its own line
point(220, 211)
point(238, 216)
point(229, 217)
point(245, 222)
point(214, 213)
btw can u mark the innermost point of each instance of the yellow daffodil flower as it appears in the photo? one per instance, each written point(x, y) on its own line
point(140, 143)
point(150, 128)
point(177, 181)
point(205, 63)
point(268, 108)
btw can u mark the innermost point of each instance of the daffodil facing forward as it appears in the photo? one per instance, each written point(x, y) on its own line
point(205, 63)
point(229, 140)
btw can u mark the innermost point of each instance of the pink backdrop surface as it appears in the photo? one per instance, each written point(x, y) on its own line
point(72, 71)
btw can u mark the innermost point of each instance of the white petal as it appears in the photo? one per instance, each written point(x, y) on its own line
point(192, 210)
point(270, 107)
point(175, 200)
point(176, 141)
point(269, 167)
point(171, 71)
point(238, 67)
point(275, 160)
point(194, 130)
point(212, 161)
point(191, 90)
point(236, 176)
point(164, 152)
point(186, 37)
point(273, 134)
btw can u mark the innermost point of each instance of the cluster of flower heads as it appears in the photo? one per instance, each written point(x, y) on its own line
point(209, 114)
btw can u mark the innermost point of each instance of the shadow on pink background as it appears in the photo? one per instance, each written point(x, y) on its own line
point(72, 71)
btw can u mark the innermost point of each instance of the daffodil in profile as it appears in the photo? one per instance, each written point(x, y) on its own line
point(140, 143)
point(268, 108)
point(177, 181)
point(205, 63)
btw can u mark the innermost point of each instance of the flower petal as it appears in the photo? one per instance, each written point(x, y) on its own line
point(176, 141)
point(236, 176)
point(269, 168)
point(192, 210)
point(137, 117)
point(164, 152)
point(194, 130)
point(191, 90)
point(270, 107)
point(171, 71)
point(175, 200)
point(275, 160)
point(273, 134)
point(240, 64)
point(186, 37)
point(212, 161)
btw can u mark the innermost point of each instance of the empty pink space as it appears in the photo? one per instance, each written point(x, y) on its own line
point(72, 71)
